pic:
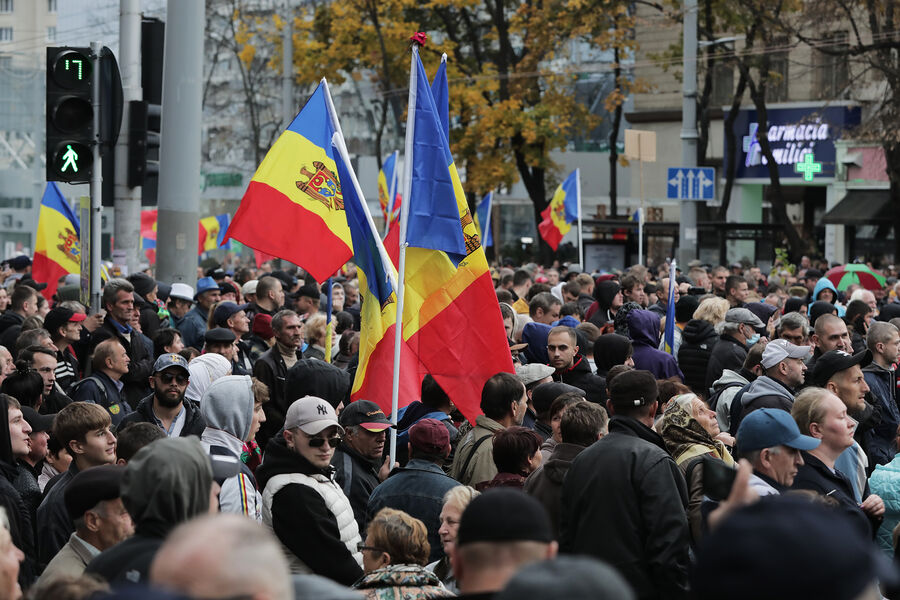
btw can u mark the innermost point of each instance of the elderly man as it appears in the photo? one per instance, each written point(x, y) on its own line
point(883, 341)
point(94, 504)
point(794, 328)
point(302, 504)
point(272, 367)
point(104, 386)
point(741, 329)
point(770, 440)
point(533, 375)
point(193, 326)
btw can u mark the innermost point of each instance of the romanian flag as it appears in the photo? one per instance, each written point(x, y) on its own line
point(451, 318)
point(57, 249)
point(483, 220)
point(377, 289)
point(293, 207)
point(212, 233)
point(148, 234)
point(562, 210)
point(669, 336)
point(388, 178)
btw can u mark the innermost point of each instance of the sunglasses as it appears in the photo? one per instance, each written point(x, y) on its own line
point(168, 378)
point(318, 442)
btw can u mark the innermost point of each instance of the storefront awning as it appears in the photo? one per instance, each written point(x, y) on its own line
point(861, 207)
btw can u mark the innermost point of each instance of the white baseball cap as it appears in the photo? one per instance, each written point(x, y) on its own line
point(182, 291)
point(311, 415)
point(249, 287)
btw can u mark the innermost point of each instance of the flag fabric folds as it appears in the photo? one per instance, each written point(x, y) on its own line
point(483, 220)
point(57, 247)
point(450, 315)
point(669, 336)
point(293, 207)
point(562, 210)
point(388, 178)
point(441, 92)
point(212, 233)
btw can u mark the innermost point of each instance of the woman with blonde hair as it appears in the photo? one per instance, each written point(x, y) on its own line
point(697, 341)
point(394, 556)
point(455, 502)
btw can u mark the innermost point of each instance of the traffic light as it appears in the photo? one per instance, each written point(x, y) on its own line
point(70, 114)
point(145, 116)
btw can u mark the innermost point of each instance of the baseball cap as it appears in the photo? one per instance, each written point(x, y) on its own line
point(225, 310)
point(91, 486)
point(743, 315)
point(768, 427)
point(182, 291)
point(36, 420)
point(366, 414)
point(430, 436)
point(532, 372)
point(835, 361)
point(19, 262)
point(59, 316)
point(778, 350)
point(504, 515)
point(249, 287)
point(170, 360)
point(311, 415)
point(633, 388)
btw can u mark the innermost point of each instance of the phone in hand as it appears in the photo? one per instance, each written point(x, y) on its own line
point(717, 479)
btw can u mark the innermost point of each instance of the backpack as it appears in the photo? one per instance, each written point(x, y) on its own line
point(714, 398)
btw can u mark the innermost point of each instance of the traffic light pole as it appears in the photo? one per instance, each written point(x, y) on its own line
point(96, 183)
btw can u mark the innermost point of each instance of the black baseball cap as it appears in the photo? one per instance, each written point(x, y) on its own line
point(504, 515)
point(366, 414)
point(633, 388)
point(835, 361)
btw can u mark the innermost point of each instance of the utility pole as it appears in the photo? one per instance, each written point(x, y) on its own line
point(96, 183)
point(687, 228)
point(128, 200)
point(287, 66)
point(179, 170)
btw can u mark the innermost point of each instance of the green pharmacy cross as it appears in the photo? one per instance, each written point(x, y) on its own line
point(808, 166)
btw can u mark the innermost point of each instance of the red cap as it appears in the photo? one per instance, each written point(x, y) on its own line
point(430, 436)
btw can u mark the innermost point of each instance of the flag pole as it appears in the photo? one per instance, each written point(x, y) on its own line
point(328, 309)
point(580, 240)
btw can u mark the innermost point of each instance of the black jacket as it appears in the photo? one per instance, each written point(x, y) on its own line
point(194, 424)
point(697, 341)
point(21, 528)
point(10, 328)
point(580, 375)
point(122, 561)
point(108, 396)
point(55, 524)
point(271, 369)
point(624, 501)
point(140, 368)
point(301, 519)
point(363, 474)
point(728, 353)
point(545, 484)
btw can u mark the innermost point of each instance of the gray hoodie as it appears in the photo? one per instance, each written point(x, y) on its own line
point(723, 405)
point(766, 392)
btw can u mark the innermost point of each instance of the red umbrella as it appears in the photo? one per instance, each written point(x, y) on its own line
point(844, 276)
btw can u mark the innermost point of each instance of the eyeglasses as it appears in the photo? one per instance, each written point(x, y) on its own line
point(168, 378)
point(362, 548)
point(318, 442)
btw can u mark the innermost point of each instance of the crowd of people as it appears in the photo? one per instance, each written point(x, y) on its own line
point(201, 442)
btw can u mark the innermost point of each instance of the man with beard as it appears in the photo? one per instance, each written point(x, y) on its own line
point(167, 407)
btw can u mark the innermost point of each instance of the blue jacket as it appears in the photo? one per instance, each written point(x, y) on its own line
point(417, 489)
point(644, 328)
point(880, 439)
point(885, 481)
point(193, 327)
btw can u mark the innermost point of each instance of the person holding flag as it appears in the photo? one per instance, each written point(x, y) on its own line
point(57, 248)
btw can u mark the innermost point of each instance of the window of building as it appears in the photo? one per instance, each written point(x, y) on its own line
point(777, 85)
point(6, 6)
point(6, 34)
point(722, 84)
point(833, 72)
point(51, 6)
point(51, 34)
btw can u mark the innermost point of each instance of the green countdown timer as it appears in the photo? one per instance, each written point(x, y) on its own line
point(72, 69)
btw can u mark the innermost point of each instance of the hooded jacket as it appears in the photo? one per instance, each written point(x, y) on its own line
point(762, 392)
point(730, 383)
point(227, 408)
point(316, 533)
point(535, 335)
point(824, 284)
point(643, 326)
point(728, 353)
point(545, 484)
point(604, 292)
point(880, 439)
point(164, 485)
point(610, 350)
point(697, 341)
point(20, 525)
point(580, 376)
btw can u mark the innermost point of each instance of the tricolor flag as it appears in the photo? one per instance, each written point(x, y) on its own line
point(57, 246)
point(388, 193)
point(148, 234)
point(670, 312)
point(451, 319)
point(212, 233)
point(562, 210)
point(293, 207)
point(483, 220)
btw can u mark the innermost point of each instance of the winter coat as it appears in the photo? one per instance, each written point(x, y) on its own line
point(70, 561)
point(580, 375)
point(644, 328)
point(271, 369)
point(697, 341)
point(193, 327)
point(21, 529)
point(605, 292)
point(309, 515)
point(481, 467)
point(401, 582)
point(56, 526)
point(880, 442)
point(193, 420)
point(822, 284)
point(641, 529)
point(885, 482)
point(99, 388)
point(136, 381)
point(357, 476)
point(728, 353)
point(545, 484)
point(417, 489)
point(763, 392)
point(730, 383)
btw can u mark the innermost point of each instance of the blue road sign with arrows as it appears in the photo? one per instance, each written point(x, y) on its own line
point(691, 183)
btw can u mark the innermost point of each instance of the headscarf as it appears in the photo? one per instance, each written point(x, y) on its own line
point(611, 349)
point(685, 438)
point(205, 369)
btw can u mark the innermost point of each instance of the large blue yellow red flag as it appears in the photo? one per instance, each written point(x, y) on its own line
point(483, 220)
point(388, 195)
point(669, 336)
point(451, 319)
point(212, 233)
point(441, 92)
point(378, 312)
point(293, 207)
point(57, 247)
point(562, 211)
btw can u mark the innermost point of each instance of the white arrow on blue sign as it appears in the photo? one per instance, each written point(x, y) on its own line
point(691, 183)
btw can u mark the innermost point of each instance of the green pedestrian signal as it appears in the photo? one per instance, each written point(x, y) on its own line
point(70, 115)
point(71, 159)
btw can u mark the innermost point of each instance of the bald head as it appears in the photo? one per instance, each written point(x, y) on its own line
point(223, 552)
point(831, 334)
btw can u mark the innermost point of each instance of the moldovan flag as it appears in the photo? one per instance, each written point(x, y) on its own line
point(212, 233)
point(388, 177)
point(57, 249)
point(451, 318)
point(378, 316)
point(562, 211)
point(148, 234)
point(483, 220)
point(293, 207)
